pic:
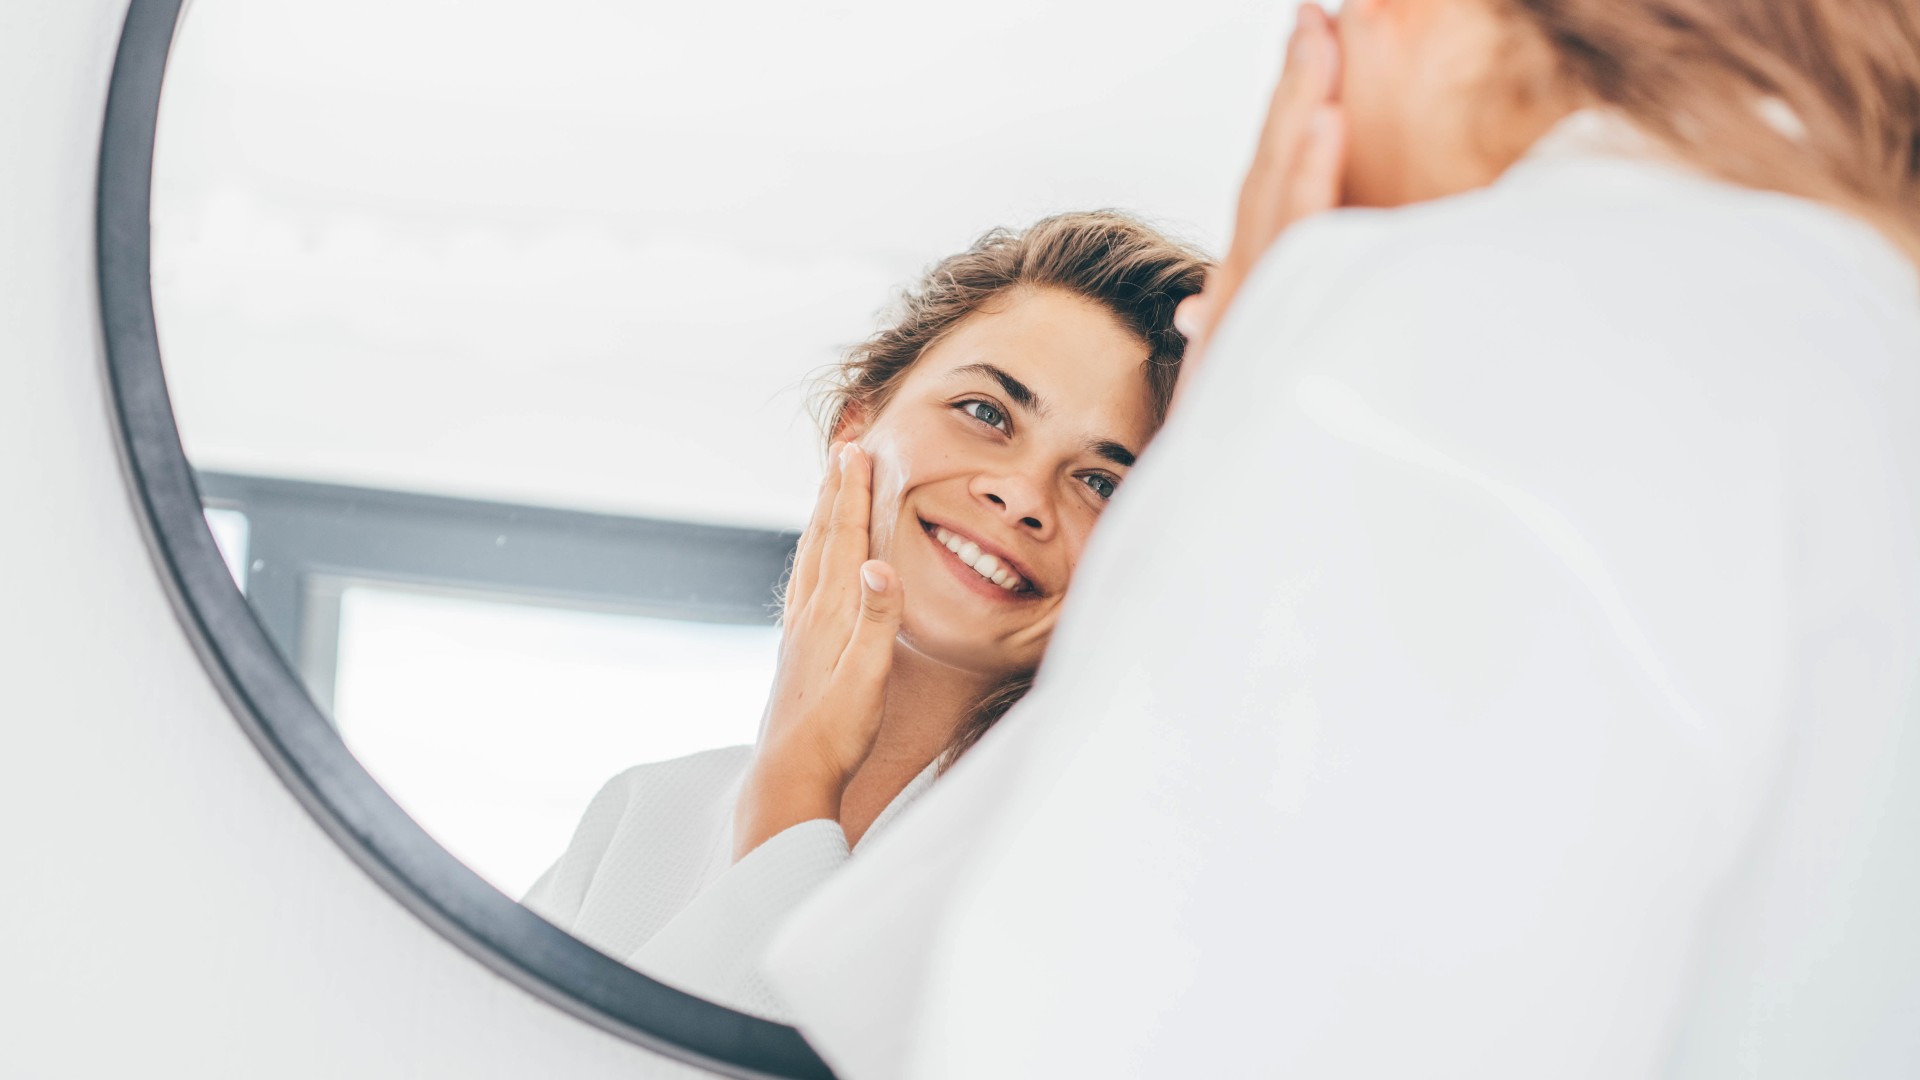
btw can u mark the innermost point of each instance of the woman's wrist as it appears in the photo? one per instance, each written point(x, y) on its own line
point(780, 792)
point(799, 759)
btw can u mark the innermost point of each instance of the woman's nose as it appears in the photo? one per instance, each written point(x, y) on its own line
point(1021, 502)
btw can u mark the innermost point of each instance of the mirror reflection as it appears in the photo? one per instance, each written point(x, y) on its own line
point(509, 346)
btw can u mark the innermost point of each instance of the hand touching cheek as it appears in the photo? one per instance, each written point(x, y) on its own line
point(829, 692)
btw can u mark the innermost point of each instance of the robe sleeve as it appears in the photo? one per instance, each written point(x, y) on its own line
point(648, 878)
point(714, 947)
point(646, 846)
point(1422, 692)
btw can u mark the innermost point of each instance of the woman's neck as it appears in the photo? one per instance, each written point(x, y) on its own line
point(1447, 106)
point(927, 702)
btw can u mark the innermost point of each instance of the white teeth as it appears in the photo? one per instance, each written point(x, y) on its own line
point(987, 566)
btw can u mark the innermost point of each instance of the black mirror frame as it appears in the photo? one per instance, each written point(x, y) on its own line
point(272, 705)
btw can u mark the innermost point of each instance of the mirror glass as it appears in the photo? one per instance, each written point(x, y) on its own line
point(490, 328)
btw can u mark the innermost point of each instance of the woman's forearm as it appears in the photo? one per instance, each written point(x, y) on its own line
point(777, 794)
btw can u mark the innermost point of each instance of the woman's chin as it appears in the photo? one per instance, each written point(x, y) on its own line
point(973, 653)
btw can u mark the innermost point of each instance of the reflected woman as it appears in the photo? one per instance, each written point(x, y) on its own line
point(976, 441)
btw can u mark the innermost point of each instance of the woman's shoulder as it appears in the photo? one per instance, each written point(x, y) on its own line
point(708, 773)
point(1634, 268)
point(649, 840)
point(1576, 231)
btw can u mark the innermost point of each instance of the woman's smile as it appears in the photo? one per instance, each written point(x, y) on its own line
point(984, 569)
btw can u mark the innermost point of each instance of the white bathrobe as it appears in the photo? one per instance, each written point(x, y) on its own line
point(649, 877)
point(1505, 664)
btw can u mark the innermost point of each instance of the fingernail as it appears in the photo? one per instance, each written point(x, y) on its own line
point(848, 453)
point(873, 579)
point(1186, 318)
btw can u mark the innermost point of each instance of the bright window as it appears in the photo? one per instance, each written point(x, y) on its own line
point(493, 723)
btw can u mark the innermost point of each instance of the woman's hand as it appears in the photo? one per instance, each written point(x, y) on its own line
point(1296, 172)
point(842, 613)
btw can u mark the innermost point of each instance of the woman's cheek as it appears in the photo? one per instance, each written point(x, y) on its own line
point(890, 482)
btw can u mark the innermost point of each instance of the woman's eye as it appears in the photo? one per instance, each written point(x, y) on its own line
point(1102, 485)
point(985, 413)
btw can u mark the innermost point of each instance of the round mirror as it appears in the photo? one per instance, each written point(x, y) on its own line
point(493, 333)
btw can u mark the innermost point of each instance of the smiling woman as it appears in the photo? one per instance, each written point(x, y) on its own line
point(978, 438)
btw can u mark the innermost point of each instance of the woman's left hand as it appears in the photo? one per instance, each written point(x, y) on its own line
point(836, 653)
point(1295, 173)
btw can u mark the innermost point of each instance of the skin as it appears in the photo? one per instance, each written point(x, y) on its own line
point(1439, 96)
point(1012, 431)
point(1399, 101)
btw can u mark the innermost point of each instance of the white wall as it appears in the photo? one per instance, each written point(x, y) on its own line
point(589, 259)
point(166, 909)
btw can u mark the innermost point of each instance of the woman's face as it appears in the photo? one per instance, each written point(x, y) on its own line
point(1004, 440)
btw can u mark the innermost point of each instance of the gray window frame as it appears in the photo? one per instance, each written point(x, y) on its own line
point(307, 543)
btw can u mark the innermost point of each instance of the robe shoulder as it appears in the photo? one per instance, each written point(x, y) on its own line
point(645, 845)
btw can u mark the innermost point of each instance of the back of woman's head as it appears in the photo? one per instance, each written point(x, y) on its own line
point(1134, 272)
point(1817, 98)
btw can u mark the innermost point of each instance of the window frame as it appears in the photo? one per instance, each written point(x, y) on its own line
point(309, 542)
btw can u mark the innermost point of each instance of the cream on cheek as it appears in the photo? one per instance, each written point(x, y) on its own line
point(891, 478)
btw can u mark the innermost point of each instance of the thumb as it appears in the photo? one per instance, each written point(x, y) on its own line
point(1192, 316)
point(881, 600)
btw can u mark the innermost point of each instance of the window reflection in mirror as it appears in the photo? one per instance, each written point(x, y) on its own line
point(491, 722)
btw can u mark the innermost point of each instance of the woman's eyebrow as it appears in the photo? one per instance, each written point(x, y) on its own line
point(1112, 451)
point(1016, 390)
point(1024, 397)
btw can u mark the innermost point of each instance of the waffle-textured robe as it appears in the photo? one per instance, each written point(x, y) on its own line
point(649, 876)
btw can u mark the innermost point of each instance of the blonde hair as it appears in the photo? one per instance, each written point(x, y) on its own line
point(1816, 98)
point(1138, 275)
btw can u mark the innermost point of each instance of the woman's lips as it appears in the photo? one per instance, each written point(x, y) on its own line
point(986, 571)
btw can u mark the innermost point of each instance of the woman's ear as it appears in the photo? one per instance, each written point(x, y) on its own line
point(852, 424)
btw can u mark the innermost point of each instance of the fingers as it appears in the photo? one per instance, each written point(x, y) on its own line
point(1191, 319)
point(1296, 170)
point(845, 545)
point(1308, 83)
point(1308, 80)
point(806, 556)
point(869, 653)
point(1315, 184)
point(1327, 36)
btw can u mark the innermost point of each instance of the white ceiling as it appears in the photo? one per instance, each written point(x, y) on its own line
point(586, 253)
